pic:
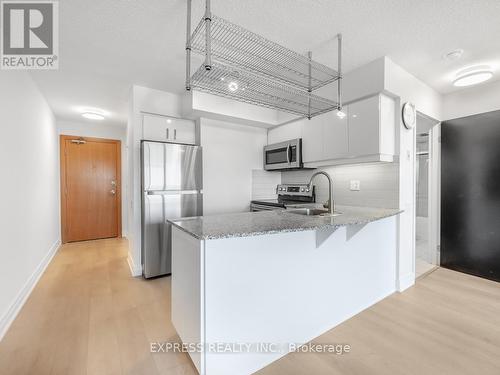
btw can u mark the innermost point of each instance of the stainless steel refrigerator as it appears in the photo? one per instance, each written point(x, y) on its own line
point(171, 188)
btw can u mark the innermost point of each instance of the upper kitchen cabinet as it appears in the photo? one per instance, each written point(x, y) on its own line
point(325, 137)
point(312, 139)
point(365, 134)
point(335, 135)
point(168, 129)
point(372, 128)
point(284, 133)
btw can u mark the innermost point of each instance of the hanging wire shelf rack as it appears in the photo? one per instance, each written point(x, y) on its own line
point(254, 89)
point(244, 66)
point(236, 46)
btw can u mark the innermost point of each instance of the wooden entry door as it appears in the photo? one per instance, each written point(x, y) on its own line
point(90, 188)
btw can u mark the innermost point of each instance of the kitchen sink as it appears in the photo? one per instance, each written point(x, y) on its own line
point(311, 212)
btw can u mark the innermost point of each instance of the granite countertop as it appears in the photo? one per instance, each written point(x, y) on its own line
point(269, 222)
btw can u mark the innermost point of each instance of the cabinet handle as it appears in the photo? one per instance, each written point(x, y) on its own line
point(175, 134)
point(167, 133)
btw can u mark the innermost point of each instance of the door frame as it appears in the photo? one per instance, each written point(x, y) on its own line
point(434, 190)
point(62, 166)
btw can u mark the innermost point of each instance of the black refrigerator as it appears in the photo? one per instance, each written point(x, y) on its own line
point(470, 195)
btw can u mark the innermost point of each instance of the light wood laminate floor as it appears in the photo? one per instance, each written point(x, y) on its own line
point(88, 316)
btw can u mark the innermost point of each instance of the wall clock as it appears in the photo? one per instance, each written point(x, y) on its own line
point(409, 115)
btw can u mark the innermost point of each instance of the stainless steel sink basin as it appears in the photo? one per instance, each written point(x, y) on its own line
point(312, 212)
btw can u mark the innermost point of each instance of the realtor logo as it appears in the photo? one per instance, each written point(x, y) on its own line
point(29, 35)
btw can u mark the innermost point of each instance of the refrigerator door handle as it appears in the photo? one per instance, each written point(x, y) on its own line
point(173, 192)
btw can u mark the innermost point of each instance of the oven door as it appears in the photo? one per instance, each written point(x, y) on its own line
point(284, 155)
point(256, 207)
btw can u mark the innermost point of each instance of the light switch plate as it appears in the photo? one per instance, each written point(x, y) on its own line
point(355, 185)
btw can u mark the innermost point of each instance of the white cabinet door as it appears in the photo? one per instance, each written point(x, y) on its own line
point(335, 135)
point(312, 139)
point(155, 128)
point(183, 131)
point(284, 133)
point(168, 129)
point(364, 127)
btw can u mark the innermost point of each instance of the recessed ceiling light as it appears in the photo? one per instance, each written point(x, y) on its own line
point(93, 116)
point(169, 121)
point(232, 86)
point(472, 76)
point(454, 55)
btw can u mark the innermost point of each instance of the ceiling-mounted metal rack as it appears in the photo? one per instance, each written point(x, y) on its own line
point(251, 88)
point(244, 66)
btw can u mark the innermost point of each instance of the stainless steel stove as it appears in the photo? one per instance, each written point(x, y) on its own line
point(289, 196)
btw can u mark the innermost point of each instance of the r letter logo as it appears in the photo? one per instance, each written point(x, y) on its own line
point(29, 35)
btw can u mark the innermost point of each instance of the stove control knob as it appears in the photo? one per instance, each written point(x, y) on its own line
point(302, 190)
point(307, 190)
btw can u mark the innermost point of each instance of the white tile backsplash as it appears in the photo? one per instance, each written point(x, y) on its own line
point(379, 186)
point(264, 184)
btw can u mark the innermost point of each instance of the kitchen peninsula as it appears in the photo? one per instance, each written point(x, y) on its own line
point(275, 277)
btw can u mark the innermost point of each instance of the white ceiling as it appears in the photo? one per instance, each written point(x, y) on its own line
point(108, 45)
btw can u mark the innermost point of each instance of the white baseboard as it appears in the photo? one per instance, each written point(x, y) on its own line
point(26, 290)
point(135, 270)
point(405, 281)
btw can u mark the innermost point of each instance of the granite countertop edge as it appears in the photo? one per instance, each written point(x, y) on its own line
point(361, 220)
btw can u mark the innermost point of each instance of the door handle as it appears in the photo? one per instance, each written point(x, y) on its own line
point(113, 183)
point(113, 192)
point(288, 154)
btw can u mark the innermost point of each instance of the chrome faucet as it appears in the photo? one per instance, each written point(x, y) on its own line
point(330, 190)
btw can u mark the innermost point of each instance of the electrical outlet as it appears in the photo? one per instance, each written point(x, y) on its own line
point(355, 185)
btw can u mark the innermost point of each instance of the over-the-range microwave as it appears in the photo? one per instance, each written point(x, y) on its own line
point(283, 155)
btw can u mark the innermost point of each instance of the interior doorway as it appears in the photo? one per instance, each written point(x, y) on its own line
point(427, 190)
point(90, 188)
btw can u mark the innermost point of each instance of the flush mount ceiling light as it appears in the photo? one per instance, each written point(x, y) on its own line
point(341, 114)
point(92, 113)
point(472, 76)
point(454, 55)
point(232, 86)
point(93, 116)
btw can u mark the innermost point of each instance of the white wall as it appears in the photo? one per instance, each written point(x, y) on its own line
point(472, 101)
point(29, 192)
point(108, 131)
point(379, 184)
point(230, 153)
point(200, 104)
point(427, 101)
point(264, 184)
